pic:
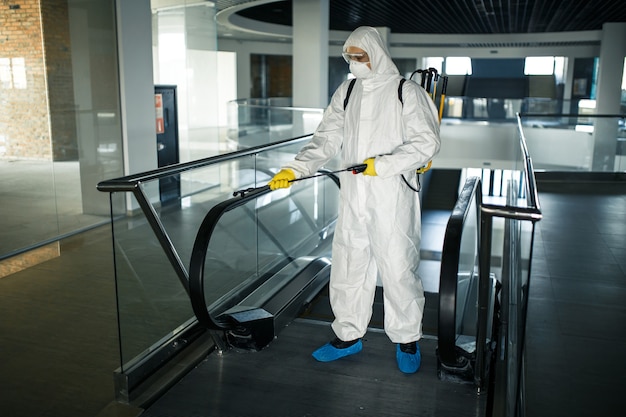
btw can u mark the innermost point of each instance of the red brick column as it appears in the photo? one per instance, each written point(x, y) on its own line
point(37, 112)
point(24, 126)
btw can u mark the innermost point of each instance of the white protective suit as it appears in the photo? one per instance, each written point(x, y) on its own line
point(379, 225)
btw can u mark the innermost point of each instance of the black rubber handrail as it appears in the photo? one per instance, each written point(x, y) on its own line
point(450, 267)
point(200, 248)
point(198, 255)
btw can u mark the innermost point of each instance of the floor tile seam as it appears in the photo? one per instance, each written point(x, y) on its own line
point(565, 336)
point(558, 238)
point(601, 280)
point(565, 269)
point(592, 338)
point(556, 259)
point(597, 306)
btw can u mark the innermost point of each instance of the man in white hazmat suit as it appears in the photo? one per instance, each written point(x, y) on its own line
point(378, 229)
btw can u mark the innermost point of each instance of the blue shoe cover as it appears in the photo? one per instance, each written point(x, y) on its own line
point(329, 353)
point(407, 362)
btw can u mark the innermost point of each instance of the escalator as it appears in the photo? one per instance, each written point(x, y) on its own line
point(266, 329)
point(257, 282)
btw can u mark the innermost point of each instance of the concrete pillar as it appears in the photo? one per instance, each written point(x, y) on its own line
point(134, 37)
point(385, 34)
point(134, 27)
point(610, 73)
point(567, 89)
point(310, 53)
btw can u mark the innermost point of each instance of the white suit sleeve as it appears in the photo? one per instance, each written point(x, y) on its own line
point(421, 140)
point(326, 141)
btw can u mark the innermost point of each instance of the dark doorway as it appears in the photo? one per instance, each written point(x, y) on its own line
point(167, 140)
point(271, 76)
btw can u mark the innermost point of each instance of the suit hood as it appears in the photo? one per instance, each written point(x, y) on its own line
point(368, 39)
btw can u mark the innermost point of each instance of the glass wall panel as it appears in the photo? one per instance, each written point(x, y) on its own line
point(253, 123)
point(66, 137)
point(576, 142)
point(152, 302)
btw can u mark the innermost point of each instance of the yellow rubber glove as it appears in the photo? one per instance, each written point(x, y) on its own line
point(281, 180)
point(370, 170)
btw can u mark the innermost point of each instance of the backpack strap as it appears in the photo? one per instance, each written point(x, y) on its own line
point(350, 87)
point(402, 81)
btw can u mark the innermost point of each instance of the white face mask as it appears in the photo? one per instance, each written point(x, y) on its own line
point(360, 69)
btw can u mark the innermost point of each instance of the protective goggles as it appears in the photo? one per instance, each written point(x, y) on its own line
point(356, 56)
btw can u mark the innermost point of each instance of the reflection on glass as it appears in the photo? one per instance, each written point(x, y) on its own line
point(42, 127)
point(272, 237)
point(576, 142)
point(467, 284)
point(252, 122)
point(151, 300)
point(29, 212)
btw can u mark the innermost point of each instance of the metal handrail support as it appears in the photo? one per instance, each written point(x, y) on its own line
point(159, 231)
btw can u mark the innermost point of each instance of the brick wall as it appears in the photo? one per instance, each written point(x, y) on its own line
point(24, 127)
point(35, 123)
point(58, 58)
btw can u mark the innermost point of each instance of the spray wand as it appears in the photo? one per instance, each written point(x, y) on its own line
point(356, 169)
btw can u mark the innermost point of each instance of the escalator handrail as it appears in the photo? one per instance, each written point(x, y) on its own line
point(200, 248)
point(450, 267)
point(198, 255)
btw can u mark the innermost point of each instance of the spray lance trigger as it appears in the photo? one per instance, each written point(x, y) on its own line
point(357, 169)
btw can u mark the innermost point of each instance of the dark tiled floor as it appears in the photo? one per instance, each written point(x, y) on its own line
point(577, 314)
point(59, 340)
point(58, 332)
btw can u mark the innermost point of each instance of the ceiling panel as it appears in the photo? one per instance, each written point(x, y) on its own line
point(454, 16)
